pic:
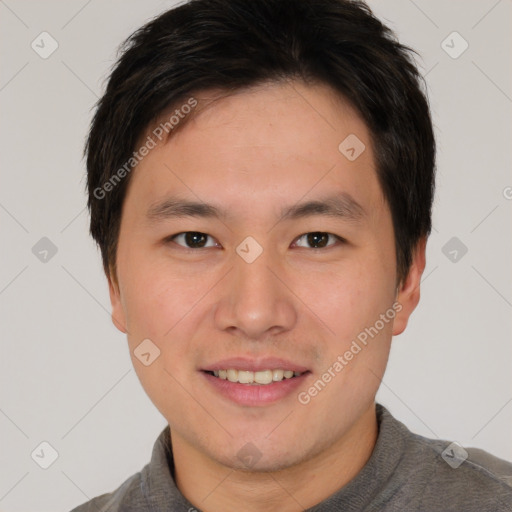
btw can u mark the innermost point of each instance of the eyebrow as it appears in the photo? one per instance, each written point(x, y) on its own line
point(341, 206)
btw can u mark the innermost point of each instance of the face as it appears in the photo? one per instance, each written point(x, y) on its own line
point(261, 284)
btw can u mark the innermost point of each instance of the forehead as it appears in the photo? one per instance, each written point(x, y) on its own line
point(271, 143)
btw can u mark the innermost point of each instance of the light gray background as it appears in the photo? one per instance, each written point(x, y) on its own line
point(66, 373)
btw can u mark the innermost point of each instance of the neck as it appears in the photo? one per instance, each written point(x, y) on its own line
point(214, 487)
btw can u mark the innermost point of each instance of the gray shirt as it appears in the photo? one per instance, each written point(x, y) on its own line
point(406, 472)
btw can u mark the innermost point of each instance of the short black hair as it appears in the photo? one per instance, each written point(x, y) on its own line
point(233, 45)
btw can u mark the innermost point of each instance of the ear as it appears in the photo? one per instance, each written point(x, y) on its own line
point(409, 291)
point(118, 316)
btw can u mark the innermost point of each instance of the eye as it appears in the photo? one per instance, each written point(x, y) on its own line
point(191, 239)
point(319, 239)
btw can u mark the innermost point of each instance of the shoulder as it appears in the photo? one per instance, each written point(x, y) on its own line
point(455, 478)
point(126, 498)
point(153, 488)
point(439, 475)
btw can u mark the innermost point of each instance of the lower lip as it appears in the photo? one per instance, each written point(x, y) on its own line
point(254, 395)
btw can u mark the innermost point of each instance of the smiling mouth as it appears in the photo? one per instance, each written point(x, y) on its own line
point(263, 377)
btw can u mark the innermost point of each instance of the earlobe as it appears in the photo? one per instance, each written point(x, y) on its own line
point(409, 291)
point(118, 316)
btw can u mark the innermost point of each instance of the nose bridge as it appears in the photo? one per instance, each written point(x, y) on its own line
point(255, 300)
point(254, 278)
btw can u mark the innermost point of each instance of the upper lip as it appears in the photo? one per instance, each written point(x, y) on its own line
point(255, 364)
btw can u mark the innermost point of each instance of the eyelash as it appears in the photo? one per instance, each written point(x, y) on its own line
point(338, 238)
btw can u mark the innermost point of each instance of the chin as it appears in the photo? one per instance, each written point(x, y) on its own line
point(256, 454)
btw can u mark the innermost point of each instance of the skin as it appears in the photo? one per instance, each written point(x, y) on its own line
point(253, 153)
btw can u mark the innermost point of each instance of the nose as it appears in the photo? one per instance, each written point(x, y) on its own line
point(256, 300)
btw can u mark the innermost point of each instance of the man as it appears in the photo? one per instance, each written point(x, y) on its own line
point(260, 179)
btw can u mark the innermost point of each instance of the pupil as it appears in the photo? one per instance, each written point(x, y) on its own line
point(313, 238)
point(194, 238)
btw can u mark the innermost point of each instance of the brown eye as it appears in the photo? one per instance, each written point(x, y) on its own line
point(318, 239)
point(192, 240)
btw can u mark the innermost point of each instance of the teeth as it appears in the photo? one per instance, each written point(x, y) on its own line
point(233, 375)
point(245, 377)
point(277, 375)
point(261, 377)
point(264, 377)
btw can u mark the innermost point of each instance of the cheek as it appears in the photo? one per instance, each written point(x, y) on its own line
point(154, 299)
point(158, 305)
point(351, 298)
